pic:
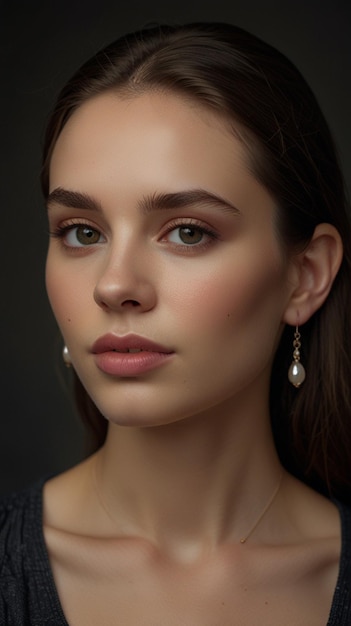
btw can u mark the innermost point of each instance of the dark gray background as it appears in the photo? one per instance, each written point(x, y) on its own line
point(42, 43)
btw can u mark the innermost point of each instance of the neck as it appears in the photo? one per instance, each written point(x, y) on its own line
point(197, 482)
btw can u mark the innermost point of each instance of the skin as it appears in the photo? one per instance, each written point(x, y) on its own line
point(192, 300)
point(189, 462)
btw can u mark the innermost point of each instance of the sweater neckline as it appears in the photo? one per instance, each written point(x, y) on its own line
point(37, 519)
point(340, 596)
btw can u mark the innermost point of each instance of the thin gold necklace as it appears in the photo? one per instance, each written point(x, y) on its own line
point(263, 513)
point(242, 540)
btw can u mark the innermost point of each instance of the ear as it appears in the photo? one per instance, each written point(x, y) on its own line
point(314, 272)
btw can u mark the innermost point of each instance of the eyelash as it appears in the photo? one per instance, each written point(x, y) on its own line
point(62, 230)
point(195, 225)
point(60, 233)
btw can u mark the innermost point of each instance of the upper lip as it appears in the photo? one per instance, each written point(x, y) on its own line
point(111, 342)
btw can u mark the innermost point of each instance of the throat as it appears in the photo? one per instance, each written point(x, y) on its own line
point(179, 494)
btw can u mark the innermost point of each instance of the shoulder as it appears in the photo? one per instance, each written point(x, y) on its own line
point(345, 513)
point(19, 501)
point(18, 510)
point(26, 586)
point(345, 561)
point(340, 614)
point(345, 520)
point(20, 521)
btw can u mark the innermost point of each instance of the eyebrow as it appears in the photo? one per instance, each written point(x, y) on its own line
point(72, 199)
point(148, 203)
point(183, 199)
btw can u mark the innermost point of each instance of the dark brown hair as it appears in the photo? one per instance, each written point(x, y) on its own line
point(292, 154)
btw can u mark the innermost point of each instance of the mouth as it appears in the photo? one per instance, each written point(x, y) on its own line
point(129, 351)
point(129, 356)
point(127, 344)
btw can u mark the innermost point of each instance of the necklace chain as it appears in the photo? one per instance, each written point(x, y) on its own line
point(98, 494)
point(263, 513)
point(242, 540)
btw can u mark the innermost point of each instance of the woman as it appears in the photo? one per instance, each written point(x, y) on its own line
point(198, 268)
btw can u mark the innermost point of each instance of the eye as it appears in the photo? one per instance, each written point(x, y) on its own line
point(188, 235)
point(78, 235)
point(191, 234)
point(82, 235)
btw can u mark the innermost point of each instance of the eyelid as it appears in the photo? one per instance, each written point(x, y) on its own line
point(63, 228)
point(211, 233)
point(190, 221)
point(77, 221)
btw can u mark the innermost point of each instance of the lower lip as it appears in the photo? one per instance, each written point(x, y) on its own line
point(130, 364)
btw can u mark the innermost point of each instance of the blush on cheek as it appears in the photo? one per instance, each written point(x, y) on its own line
point(242, 296)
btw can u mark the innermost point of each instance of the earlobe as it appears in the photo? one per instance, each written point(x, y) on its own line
point(317, 267)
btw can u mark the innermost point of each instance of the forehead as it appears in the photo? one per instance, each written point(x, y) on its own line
point(112, 106)
point(163, 121)
point(130, 146)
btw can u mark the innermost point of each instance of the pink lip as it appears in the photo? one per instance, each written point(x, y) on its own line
point(112, 355)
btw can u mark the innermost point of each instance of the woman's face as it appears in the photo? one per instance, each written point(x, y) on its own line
point(162, 241)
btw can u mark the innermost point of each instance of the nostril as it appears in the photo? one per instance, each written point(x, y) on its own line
point(132, 303)
point(111, 293)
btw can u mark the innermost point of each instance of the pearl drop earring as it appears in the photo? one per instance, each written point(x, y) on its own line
point(66, 356)
point(296, 373)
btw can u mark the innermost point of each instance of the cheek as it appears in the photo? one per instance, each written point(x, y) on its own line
point(232, 294)
point(229, 330)
point(64, 292)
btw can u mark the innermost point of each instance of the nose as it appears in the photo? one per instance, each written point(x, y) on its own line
point(126, 283)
